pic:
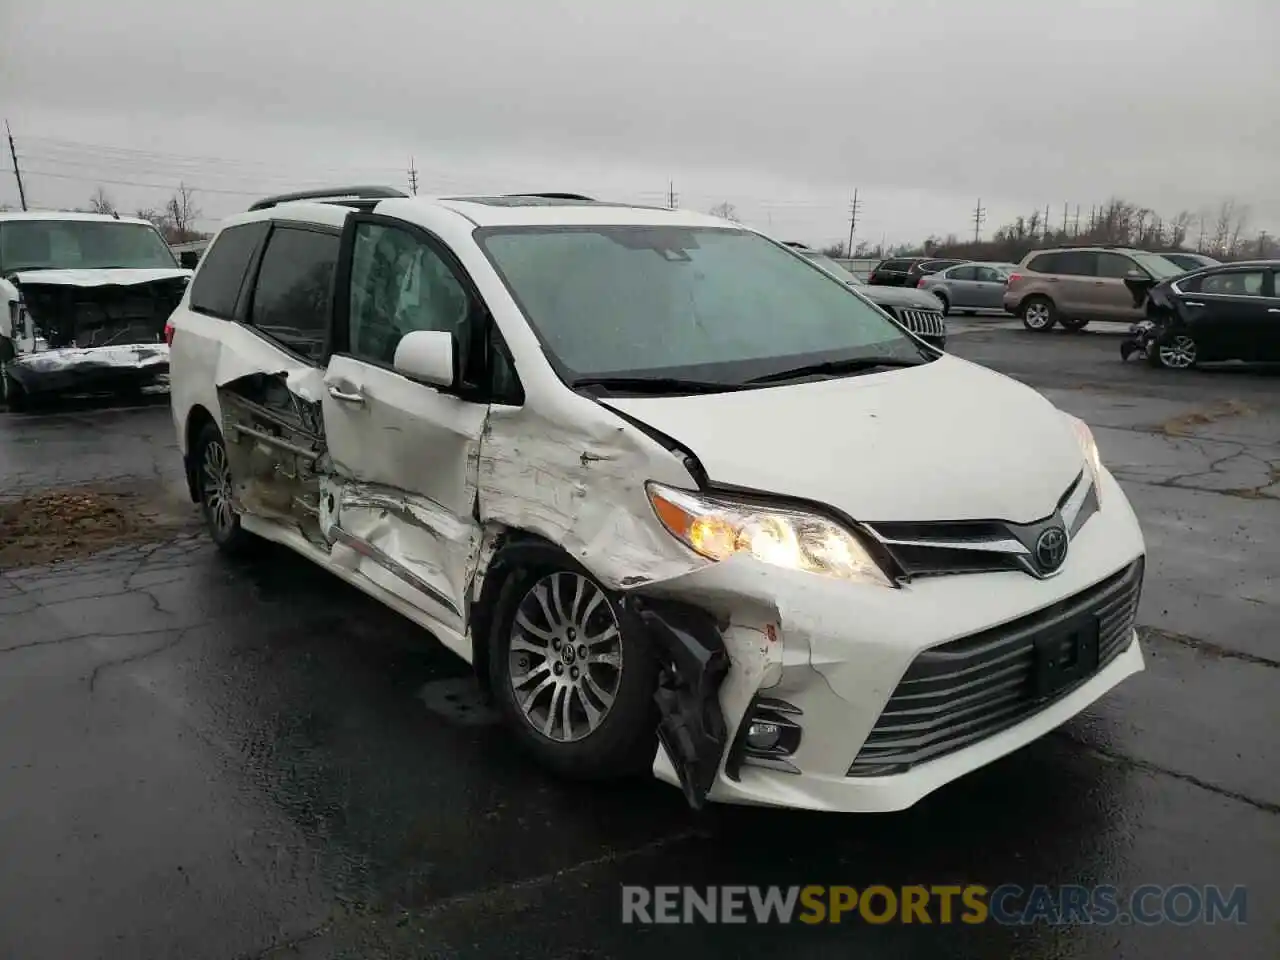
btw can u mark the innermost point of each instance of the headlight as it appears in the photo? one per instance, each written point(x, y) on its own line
point(1089, 450)
point(717, 528)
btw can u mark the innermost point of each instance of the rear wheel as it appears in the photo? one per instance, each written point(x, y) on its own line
point(573, 679)
point(1073, 324)
point(15, 397)
point(942, 298)
point(214, 486)
point(1038, 314)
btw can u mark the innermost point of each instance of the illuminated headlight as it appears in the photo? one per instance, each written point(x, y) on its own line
point(719, 527)
point(1089, 450)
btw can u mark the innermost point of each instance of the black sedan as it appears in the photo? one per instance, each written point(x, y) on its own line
point(1226, 312)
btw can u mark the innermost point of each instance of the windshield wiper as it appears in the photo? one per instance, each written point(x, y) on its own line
point(847, 365)
point(654, 384)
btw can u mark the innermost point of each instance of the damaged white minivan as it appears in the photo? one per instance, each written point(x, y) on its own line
point(684, 500)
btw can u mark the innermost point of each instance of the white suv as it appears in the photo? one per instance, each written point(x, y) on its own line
point(684, 500)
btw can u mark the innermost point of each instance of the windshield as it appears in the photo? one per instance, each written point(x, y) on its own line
point(721, 305)
point(80, 245)
point(822, 260)
point(1158, 266)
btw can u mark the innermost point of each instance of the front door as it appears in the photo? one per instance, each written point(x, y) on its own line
point(404, 453)
point(1112, 297)
point(1227, 314)
point(988, 287)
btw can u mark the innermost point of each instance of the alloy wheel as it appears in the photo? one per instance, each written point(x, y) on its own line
point(565, 658)
point(1037, 316)
point(215, 474)
point(1178, 355)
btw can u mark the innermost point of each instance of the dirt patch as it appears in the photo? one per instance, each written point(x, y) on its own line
point(1184, 425)
point(63, 524)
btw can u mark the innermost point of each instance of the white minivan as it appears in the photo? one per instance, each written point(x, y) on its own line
point(685, 501)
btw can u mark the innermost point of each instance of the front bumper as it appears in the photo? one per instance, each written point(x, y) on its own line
point(90, 369)
point(836, 653)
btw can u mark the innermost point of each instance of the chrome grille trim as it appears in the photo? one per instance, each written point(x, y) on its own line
point(930, 323)
point(967, 690)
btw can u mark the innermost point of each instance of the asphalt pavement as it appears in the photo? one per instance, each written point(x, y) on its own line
point(203, 759)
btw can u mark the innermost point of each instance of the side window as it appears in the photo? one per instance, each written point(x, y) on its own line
point(217, 283)
point(400, 284)
point(1045, 263)
point(1116, 265)
point(894, 266)
point(1237, 283)
point(989, 275)
point(963, 273)
point(294, 292)
point(1077, 263)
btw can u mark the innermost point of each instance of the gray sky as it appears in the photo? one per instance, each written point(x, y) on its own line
point(781, 109)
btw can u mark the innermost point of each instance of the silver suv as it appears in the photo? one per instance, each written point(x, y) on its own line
point(1073, 285)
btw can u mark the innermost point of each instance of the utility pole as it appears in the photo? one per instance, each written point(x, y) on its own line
point(413, 178)
point(1093, 218)
point(1200, 242)
point(671, 194)
point(854, 204)
point(1046, 221)
point(17, 174)
point(1064, 219)
point(1076, 228)
point(1262, 244)
point(979, 218)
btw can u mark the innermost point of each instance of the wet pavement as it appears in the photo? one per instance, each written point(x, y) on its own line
point(208, 759)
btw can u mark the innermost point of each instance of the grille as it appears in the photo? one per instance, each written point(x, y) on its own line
point(926, 322)
point(969, 689)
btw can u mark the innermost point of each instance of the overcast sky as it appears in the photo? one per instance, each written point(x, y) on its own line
point(781, 109)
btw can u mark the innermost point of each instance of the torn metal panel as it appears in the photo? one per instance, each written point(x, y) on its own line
point(579, 482)
point(97, 308)
point(98, 369)
point(275, 444)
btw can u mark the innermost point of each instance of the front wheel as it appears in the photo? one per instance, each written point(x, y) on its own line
point(1038, 314)
point(214, 486)
point(15, 397)
point(572, 677)
point(942, 298)
point(1178, 353)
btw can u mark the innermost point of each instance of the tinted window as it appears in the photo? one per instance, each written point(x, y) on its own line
point(933, 266)
point(991, 275)
point(1077, 263)
point(1045, 263)
point(400, 284)
point(896, 266)
point(1115, 265)
point(292, 297)
point(962, 273)
point(1239, 283)
point(217, 283)
point(682, 301)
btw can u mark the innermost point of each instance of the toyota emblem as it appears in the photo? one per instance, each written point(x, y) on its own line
point(1051, 549)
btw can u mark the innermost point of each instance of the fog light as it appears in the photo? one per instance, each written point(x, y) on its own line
point(763, 735)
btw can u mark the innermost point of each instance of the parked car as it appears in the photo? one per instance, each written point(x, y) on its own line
point(923, 268)
point(969, 286)
point(1225, 312)
point(1074, 285)
point(84, 299)
point(917, 310)
point(1190, 261)
point(685, 502)
point(893, 272)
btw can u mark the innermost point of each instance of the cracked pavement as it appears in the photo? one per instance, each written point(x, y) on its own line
point(243, 760)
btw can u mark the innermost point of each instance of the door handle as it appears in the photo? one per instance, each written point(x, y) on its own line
point(345, 396)
point(1273, 310)
point(1192, 303)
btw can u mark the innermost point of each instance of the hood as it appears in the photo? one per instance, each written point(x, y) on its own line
point(910, 297)
point(94, 308)
point(947, 440)
point(98, 278)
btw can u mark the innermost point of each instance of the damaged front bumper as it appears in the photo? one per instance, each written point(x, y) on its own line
point(813, 663)
point(109, 369)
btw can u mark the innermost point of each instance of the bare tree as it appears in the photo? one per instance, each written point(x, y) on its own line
point(726, 211)
point(101, 203)
point(1179, 226)
point(834, 250)
point(181, 214)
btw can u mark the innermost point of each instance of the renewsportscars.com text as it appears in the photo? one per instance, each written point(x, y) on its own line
point(1007, 904)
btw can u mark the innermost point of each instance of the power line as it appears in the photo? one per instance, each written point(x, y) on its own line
point(854, 206)
point(413, 178)
point(138, 183)
point(17, 174)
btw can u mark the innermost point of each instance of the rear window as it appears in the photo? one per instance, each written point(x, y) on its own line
point(896, 266)
point(217, 283)
point(1045, 263)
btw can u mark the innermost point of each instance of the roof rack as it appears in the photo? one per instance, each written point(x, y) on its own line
point(555, 196)
point(348, 196)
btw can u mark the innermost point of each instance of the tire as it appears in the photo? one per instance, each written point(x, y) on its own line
point(1038, 314)
point(1179, 353)
point(942, 298)
point(527, 645)
point(1072, 324)
point(213, 486)
point(11, 391)
point(968, 313)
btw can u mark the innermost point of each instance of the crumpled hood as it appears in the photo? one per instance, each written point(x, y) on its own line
point(98, 278)
point(947, 440)
point(901, 297)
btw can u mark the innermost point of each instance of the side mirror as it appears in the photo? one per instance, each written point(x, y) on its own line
point(428, 355)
